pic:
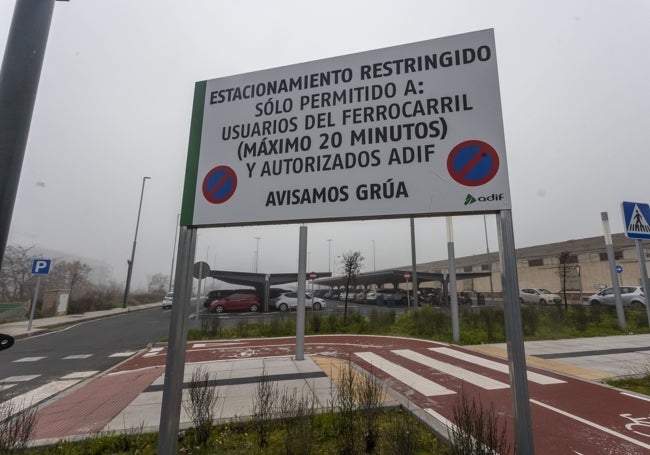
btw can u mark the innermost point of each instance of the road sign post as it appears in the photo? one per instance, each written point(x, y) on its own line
point(514, 334)
point(609, 247)
point(40, 267)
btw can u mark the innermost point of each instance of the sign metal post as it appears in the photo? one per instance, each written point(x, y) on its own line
point(300, 309)
point(514, 334)
point(170, 410)
point(40, 267)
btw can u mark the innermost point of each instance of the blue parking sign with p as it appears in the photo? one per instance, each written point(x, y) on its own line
point(41, 266)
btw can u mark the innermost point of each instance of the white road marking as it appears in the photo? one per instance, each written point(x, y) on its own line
point(461, 373)
point(122, 354)
point(153, 352)
point(496, 366)
point(415, 381)
point(20, 402)
point(592, 424)
point(6, 386)
point(80, 374)
point(77, 357)
point(29, 359)
point(23, 378)
point(635, 396)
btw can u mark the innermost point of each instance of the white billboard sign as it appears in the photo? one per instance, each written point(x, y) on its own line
point(410, 130)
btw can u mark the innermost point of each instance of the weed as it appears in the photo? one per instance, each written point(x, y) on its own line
point(477, 430)
point(17, 422)
point(264, 404)
point(203, 398)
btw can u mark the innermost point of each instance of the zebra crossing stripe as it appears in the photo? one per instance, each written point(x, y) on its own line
point(23, 378)
point(42, 393)
point(496, 366)
point(452, 370)
point(415, 381)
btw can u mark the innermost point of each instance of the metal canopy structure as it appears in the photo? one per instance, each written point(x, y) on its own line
point(262, 282)
point(395, 277)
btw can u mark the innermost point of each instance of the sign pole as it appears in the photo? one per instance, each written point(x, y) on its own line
point(33, 308)
point(416, 303)
point(300, 310)
point(612, 271)
point(515, 338)
point(198, 297)
point(451, 255)
point(170, 410)
point(644, 274)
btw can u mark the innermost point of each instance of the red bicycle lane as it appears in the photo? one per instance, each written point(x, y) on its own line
point(569, 415)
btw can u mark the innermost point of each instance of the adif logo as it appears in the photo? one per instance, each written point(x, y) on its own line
point(469, 199)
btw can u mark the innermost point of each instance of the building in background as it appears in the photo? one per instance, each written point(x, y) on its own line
point(578, 267)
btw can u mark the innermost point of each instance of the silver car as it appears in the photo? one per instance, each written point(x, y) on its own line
point(289, 301)
point(632, 296)
point(538, 295)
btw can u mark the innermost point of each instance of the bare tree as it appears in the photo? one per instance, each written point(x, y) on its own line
point(16, 281)
point(352, 264)
point(158, 283)
point(72, 275)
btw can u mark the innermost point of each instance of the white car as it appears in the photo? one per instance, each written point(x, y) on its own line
point(289, 301)
point(538, 295)
point(167, 301)
point(632, 296)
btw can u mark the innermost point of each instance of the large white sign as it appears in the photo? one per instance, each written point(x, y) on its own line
point(409, 130)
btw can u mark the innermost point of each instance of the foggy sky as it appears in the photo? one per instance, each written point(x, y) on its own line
point(115, 97)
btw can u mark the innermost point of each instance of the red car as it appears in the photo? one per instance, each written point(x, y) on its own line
point(236, 302)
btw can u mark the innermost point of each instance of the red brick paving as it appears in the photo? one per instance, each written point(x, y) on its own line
point(89, 408)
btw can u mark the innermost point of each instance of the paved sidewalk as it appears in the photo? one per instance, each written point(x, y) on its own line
point(596, 358)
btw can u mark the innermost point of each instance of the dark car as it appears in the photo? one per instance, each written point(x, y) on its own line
point(236, 302)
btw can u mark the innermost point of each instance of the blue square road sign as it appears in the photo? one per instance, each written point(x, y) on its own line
point(41, 266)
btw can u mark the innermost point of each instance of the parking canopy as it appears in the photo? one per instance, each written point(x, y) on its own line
point(395, 277)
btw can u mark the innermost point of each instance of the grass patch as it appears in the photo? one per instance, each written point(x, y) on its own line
point(639, 384)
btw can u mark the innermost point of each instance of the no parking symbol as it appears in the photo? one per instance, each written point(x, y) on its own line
point(473, 163)
point(219, 184)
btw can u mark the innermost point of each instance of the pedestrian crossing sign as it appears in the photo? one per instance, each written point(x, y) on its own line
point(636, 216)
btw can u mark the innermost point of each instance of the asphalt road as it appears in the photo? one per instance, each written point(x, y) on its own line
point(83, 350)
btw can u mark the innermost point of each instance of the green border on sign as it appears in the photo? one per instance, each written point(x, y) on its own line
point(193, 149)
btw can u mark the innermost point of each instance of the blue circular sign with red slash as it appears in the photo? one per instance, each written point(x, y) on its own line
point(219, 184)
point(473, 163)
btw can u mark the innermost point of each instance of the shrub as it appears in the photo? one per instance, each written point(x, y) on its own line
point(203, 397)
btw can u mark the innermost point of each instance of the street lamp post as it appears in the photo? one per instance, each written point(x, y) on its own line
point(329, 256)
point(257, 253)
point(135, 239)
point(171, 273)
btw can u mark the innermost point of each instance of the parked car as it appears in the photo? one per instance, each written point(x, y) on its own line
point(332, 294)
point(289, 301)
point(394, 295)
point(236, 302)
point(538, 295)
point(371, 296)
point(167, 301)
point(221, 293)
point(632, 296)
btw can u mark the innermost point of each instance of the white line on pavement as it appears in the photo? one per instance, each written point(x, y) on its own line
point(423, 385)
point(592, 424)
point(461, 373)
point(496, 366)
